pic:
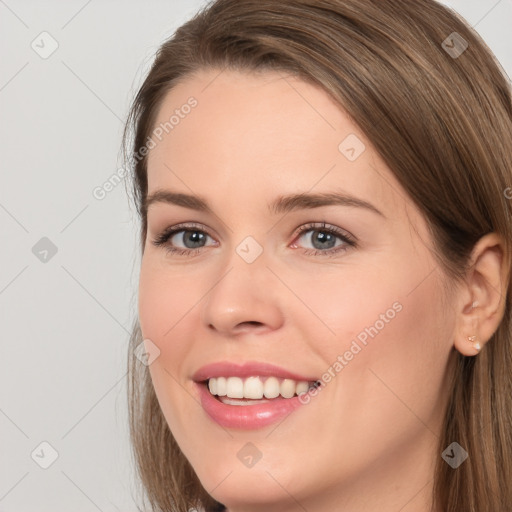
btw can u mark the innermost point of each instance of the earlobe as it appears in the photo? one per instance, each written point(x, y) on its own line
point(475, 342)
point(467, 338)
point(482, 298)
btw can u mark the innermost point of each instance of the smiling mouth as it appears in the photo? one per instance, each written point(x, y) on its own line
point(255, 390)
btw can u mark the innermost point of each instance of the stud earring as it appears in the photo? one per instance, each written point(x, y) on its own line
point(476, 345)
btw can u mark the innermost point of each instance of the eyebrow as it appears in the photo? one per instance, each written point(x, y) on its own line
point(282, 204)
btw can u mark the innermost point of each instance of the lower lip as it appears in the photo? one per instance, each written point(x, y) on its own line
point(247, 417)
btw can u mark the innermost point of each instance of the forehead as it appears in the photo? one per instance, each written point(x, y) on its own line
point(250, 135)
point(262, 111)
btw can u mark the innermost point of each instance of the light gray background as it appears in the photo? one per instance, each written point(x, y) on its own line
point(65, 322)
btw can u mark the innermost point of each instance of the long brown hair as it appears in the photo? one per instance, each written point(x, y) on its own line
point(441, 120)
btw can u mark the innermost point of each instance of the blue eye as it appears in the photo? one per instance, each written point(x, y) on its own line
point(323, 237)
point(194, 236)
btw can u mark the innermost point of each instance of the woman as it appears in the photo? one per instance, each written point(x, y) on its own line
point(324, 296)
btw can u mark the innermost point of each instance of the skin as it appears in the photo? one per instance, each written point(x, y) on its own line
point(368, 440)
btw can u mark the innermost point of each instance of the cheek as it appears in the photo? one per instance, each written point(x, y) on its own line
point(384, 364)
point(166, 308)
point(384, 338)
point(389, 309)
point(167, 305)
point(397, 377)
point(164, 300)
point(345, 305)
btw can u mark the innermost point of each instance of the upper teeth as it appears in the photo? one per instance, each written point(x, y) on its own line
point(256, 387)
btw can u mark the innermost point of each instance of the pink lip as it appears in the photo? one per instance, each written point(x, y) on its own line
point(247, 417)
point(248, 369)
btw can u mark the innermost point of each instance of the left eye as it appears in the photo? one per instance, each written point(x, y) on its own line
point(323, 238)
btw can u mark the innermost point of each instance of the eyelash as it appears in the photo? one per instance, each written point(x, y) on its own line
point(162, 239)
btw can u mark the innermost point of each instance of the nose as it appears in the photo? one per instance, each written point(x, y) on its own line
point(244, 298)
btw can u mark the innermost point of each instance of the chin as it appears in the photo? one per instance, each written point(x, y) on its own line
point(249, 490)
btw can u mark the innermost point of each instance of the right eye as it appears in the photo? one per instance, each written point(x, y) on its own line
point(191, 236)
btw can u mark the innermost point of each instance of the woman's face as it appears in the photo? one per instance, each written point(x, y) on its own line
point(353, 301)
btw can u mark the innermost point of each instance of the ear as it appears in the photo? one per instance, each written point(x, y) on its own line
point(481, 303)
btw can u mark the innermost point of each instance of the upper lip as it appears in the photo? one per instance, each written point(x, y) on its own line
point(246, 369)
